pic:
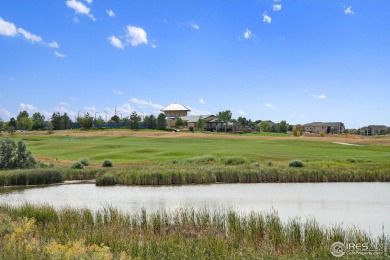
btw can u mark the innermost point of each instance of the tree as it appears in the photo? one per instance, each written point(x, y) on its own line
point(179, 122)
point(134, 121)
point(225, 115)
point(23, 121)
point(265, 126)
point(65, 121)
point(37, 121)
point(61, 122)
point(161, 122)
point(297, 130)
point(49, 127)
point(283, 126)
point(115, 118)
point(151, 122)
point(99, 122)
point(12, 122)
point(1, 124)
point(242, 121)
point(86, 122)
point(200, 124)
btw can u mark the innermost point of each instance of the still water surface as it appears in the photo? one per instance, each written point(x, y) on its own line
point(366, 205)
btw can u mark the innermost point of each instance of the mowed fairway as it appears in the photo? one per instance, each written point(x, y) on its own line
point(124, 149)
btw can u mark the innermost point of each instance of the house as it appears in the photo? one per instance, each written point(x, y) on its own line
point(173, 111)
point(374, 130)
point(327, 128)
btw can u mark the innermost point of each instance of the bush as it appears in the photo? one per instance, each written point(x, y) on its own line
point(13, 155)
point(106, 180)
point(107, 163)
point(77, 165)
point(295, 163)
point(85, 161)
point(232, 160)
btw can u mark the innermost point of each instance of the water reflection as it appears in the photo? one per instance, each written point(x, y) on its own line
point(366, 205)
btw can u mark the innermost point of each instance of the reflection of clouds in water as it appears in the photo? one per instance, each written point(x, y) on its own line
point(328, 203)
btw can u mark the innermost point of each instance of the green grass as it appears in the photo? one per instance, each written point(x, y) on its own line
point(127, 149)
point(42, 232)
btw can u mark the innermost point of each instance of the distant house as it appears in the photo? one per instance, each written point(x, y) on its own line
point(211, 122)
point(374, 130)
point(327, 128)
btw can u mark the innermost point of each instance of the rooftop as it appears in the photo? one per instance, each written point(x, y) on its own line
point(175, 107)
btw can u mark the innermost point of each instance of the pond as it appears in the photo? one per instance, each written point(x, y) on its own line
point(365, 205)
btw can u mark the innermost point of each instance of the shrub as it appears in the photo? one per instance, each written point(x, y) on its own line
point(106, 180)
point(85, 161)
point(77, 165)
point(232, 160)
point(295, 163)
point(107, 163)
point(201, 159)
point(13, 155)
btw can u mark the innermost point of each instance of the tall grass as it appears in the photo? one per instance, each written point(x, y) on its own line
point(36, 232)
point(30, 177)
point(180, 174)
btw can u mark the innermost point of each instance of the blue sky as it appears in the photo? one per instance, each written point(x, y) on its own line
point(299, 61)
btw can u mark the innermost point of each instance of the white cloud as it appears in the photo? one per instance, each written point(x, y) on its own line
point(136, 35)
point(5, 112)
point(201, 100)
point(118, 92)
point(80, 8)
point(27, 107)
point(91, 110)
point(153, 45)
point(302, 116)
point(145, 104)
point(241, 112)
point(89, 1)
point(46, 113)
point(266, 17)
point(64, 104)
point(54, 45)
point(125, 110)
point(247, 34)
point(110, 13)
point(116, 42)
point(277, 7)
point(29, 36)
point(194, 25)
point(270, 106)
point(348, 10)
point(319, 96)
point(59, 55)
point(7, 28)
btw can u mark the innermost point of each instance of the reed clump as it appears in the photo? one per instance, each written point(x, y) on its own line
point(42, 232)
point(30, 177)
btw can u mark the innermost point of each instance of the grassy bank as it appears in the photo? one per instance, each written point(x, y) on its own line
point(30, 177)
point(41, 232)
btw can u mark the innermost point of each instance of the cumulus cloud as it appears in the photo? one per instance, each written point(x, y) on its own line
point(136, 35)
point(241, 112)
point(153, 45)
point(110, 13)
point(266, 17)
point(247, 34)
point(201, 100)
point(348, 10)
point(5, 112)
point(27, 107)
point(118, 92)
point(270, 106)
point(319, 96)
point(59, 55)
point(54, 45)
point(145, 104)
point(64, 104)
point(80, 8)
point(277, 7)
point(197, 112)
point(116, 42)
point(89, 1)
point(7, 28)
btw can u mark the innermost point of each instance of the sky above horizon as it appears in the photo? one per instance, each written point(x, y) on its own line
point(299, 61)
